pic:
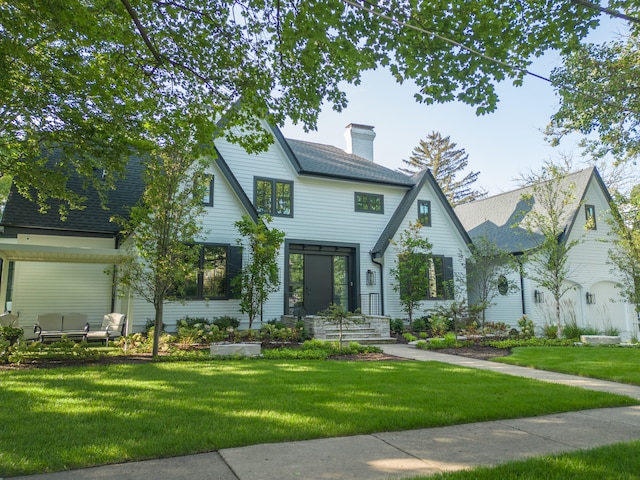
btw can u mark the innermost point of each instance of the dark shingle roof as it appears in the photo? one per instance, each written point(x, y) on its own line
point(500, 217)
point(21, 212)
point(328, 161)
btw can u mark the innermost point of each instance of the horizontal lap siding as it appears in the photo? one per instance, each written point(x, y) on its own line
point(445, 240)
point(55, 287)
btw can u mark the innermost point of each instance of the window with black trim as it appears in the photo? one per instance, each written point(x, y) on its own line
point(503, 285)
point(273, 197)
point(440, 273)
point(207, 197)
point(424, 212)
point(590, 217)
point(369, 202)
point(212, 276)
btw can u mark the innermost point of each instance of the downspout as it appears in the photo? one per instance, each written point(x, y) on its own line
point(522, 296)
point(3, 283)
point(380, 264)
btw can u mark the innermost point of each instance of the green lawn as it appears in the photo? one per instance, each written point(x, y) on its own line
point(614, 462)
point(618, 364)
point(55, 419)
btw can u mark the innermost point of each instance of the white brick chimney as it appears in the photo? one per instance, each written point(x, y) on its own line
point(360, 140)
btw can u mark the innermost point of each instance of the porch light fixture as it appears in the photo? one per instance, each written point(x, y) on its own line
point(591, 298)
point(371, 277)
point(538, 296)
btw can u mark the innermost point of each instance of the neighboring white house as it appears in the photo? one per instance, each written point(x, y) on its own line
point(594, 299)
point(339, 210)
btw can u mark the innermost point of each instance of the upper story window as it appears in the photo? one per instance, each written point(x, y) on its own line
point(590, 216)
point(207, 196)
point(424, 212)
point(273, 197)
point(369, 202)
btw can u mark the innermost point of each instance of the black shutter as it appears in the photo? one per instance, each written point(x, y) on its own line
point(234, 267)
point(447, 271)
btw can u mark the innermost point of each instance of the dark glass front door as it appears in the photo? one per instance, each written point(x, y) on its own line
point(318, 284)
point(318, 277)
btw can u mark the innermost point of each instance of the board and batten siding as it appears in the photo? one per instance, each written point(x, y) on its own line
point(57, 287)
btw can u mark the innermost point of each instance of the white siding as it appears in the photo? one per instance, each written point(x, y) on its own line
point(445, 240)
point(54, 287)
point(323, 211)
point(589, 272)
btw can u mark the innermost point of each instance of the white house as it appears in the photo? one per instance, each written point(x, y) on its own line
point(339, 210)
point(594, 299)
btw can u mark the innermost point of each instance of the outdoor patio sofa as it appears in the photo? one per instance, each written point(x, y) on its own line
point(53, 326)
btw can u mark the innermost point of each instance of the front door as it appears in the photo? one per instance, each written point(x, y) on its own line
point(319, 276)
point(318, 284)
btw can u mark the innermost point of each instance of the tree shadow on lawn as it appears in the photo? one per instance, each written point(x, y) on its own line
point(66, 418)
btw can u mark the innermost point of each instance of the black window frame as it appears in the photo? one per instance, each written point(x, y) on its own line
point(274, 182)
point(421, 215)
point(358, 206)
point(209, 202)
point(233, 267)
point(444, 278)
point(590, 217)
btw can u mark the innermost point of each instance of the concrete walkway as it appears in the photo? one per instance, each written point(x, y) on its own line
point(391, 455)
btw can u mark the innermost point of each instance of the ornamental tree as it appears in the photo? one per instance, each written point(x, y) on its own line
point(487, 273)
point(411, 272)
point(624, 254)
point(261, 275)
point(552, 201)
point(163, 229)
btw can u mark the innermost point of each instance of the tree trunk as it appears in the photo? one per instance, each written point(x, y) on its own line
point(157, 330)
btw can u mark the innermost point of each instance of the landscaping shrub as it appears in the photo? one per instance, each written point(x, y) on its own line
point(589, 330)
point(527, 328)
point(550, 331)
point(571, 330)
point(530, 342)
point(396, 326)
point(278, 333)
point(440, 325)
point(449, 341)
point(11, 334)
point(612, 331)
point(419, 325)
point(409, 337)
point(150, 325)
point(302, 328)
point(226, 322)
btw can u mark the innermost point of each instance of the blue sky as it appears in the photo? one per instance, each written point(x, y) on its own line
point(501, 145)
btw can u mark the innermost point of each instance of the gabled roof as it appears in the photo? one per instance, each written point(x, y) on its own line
point(315, 159)
point(500, 217)
point(20, 212)
point(419, 179)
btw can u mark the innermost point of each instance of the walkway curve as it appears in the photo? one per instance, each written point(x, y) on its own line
point(409, 351)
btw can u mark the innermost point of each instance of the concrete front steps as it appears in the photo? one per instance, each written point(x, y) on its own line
point(371, 330)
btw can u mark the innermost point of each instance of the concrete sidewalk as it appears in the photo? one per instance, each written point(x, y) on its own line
point(400, 454)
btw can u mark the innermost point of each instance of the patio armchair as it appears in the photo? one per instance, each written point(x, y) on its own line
point(113, 325)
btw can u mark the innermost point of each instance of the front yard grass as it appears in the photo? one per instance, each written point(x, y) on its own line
point(612, 462)
point(63, 418)
point(618, 364)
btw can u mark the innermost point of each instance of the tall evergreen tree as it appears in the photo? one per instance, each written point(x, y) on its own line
point(445, 161)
